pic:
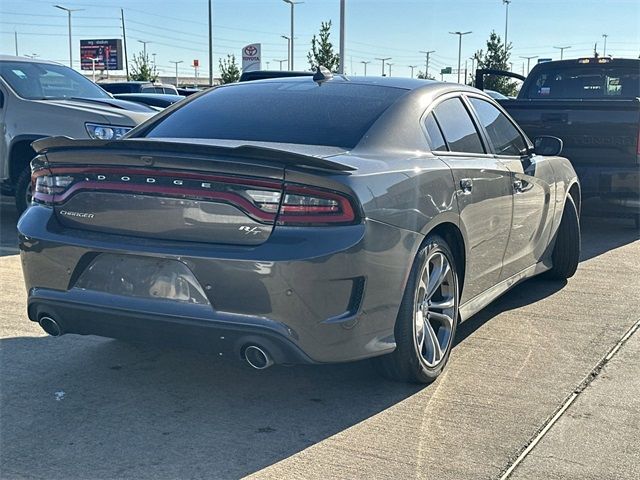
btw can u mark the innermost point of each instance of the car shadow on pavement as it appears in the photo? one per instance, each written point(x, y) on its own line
point(600, 235)
point(74, 405)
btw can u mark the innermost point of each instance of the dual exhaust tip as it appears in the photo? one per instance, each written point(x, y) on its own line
point(255, 356)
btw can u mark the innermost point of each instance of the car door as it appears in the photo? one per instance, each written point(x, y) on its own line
point(532, 188)
point(483, 191)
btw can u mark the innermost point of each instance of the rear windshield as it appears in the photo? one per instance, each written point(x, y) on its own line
point(334, 114)
point(586, 82)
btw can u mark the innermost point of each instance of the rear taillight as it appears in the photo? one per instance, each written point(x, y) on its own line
point(52, 184)
point(311, 206)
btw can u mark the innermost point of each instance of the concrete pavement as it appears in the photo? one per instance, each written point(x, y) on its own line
point(85, 407)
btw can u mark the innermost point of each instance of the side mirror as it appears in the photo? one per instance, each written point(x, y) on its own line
point(547, 146)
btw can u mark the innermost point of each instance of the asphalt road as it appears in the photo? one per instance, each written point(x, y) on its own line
point(91, 408)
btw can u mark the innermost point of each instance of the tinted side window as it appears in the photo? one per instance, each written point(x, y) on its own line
point(435, 136)
point(457, 127)
point(505, 137)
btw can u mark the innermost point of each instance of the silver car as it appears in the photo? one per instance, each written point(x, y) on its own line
point(300, 220)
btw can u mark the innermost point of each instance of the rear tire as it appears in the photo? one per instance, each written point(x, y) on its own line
point(566, 252)
point(23, 190)
point(424, 337)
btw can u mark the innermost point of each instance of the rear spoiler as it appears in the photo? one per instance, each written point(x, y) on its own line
point(266, 154)
point(481, 72)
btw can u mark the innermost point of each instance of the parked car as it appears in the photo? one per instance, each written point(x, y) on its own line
point(300, 220)
point(40, 99)
point(138, 87)
point(160, 100)
point(266, 74)
point(593, 105)
point(185, 91)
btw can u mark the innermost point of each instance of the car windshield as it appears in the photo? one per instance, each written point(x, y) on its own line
point(334, 114)
point(586, 82)
point(41, 81)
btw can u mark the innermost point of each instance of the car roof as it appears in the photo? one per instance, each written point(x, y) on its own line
point(167, 96)
point(13, 58)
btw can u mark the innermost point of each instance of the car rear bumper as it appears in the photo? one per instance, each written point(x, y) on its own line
point(327, 294)
point(616, 188)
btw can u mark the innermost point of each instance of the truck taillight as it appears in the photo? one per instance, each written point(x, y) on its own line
point(303, 205)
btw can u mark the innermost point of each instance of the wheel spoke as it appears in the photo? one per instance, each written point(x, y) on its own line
point(443, 304)
point(420, 331)
point(433, 345)
point(437, 276)
point(442, 318)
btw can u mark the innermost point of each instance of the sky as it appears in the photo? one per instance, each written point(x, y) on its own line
point(177, 29)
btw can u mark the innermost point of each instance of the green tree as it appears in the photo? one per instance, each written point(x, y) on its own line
point(422, 76)
point(322, 50)
point(496, 57)
point(143, 69)
point(229, 71)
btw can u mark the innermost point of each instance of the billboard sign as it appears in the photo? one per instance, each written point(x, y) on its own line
point(446, 71)
point(251, 58)
point(108, 54)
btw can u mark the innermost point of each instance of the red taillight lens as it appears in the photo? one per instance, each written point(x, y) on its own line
point(311, 206)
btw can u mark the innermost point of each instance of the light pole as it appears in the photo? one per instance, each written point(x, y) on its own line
point(506, 26)
point(69, 10)
point(562, 49)
point(604, 35)
point(291, 53)
point(365, 66)
point(144, 50)
point(529, 61)
point(341, 70)
point(460, 34)
point(288, 39)
point(280, 61)
point(426, 61)
point(176, 63)
point(412, 67)
point(389, 66)
point(93, 68)
point(383, 60)
point(210, 18)
point(154, 59)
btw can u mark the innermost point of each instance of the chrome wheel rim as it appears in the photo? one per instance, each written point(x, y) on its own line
point(435, 312)
point(28, 195)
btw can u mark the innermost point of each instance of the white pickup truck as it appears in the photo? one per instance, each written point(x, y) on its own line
point(41, 99)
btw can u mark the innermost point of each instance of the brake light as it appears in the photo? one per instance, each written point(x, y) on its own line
point(311, 206)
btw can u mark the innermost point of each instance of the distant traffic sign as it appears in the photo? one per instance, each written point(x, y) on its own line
point(445, 71)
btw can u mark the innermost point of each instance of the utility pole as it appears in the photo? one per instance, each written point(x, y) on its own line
point(124, 42)
point(69, 10)
point(426, 61)
point(154, 59)
point(604, 35)
point(341, 69)
point(176, 63)
point(383, 60)
point(288, 51)
point(210, 44)
point(460, 35)
point(144, 50)
point(365, 66)
point(412, 67)
point(528, 59)
point(506, 27)
point(389, 66)
point(15, 37)
point(280, 61)
point(562, 49)
point(292, 52)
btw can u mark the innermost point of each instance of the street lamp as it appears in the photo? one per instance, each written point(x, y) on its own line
point(460, 34)
point(69, 10)
point(529, 61)
point(604, 35)
point(506, 26)
point(176, 63)
point(412, 67)
point(93, 67)
point(562, 49)
point(288, 39)
point(383, 60)
point(365, 66)
point(280, 61)
point(341, 68)
point(291, 53)
point(426, 61)
point(144, 42)
point(389, 65)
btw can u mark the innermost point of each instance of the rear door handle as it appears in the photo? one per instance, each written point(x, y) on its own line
point(466, 184)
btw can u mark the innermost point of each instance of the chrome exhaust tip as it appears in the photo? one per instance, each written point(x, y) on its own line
point(257, 357)
point(50, 326)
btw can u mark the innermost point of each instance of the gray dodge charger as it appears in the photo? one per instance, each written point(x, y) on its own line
point(299, 220)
